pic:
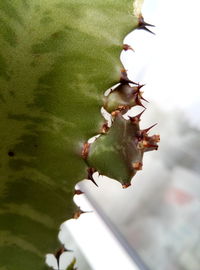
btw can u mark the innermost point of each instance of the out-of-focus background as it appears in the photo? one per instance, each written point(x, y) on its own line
point(159, 215)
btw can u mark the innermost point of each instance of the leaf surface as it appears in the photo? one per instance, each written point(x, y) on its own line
point(56, 60)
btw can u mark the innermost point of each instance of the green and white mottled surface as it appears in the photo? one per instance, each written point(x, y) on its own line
point(56, 60)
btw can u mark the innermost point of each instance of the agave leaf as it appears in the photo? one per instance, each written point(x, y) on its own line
point(56, 59)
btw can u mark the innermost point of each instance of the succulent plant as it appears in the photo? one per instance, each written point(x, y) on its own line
point(57, 58)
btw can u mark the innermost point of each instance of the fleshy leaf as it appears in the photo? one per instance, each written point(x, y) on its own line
point(119, 149)
point(56, 60)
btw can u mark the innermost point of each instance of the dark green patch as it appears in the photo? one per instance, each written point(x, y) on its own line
point(13, 257)
point(20, 225)
point(7, 33)
point(24, 117)
point(50, 44)
point(36, 194)
point(3, 68)
point(26, 4)
point(2, 98)
point(12, 12)
point(46, 20)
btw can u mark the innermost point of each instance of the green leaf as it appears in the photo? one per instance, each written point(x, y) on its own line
point(119, 149)
point(56, 59)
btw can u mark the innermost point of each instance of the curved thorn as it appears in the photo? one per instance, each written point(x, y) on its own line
point(90, 175)
point(124, 78)
point(146, 29)
point(136, 119)
point(139, 103)
point(136, 89)
point(78, 213)
point(60, 251)
point(140, 86)
point(126, 185)
point(78, 192)
point(143, 25)
point(127, 47)
point(144, 99)
point(147, 129)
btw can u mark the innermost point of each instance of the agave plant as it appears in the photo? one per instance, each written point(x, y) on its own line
point(57, 58)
